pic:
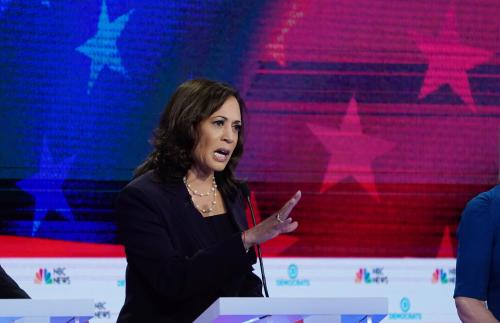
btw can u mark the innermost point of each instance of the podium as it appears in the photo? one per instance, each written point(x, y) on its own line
point(46, 310)
point(282, 309)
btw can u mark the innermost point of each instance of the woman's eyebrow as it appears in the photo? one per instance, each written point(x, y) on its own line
point(225, 118)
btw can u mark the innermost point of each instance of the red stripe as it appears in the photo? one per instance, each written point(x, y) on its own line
point(36, 247)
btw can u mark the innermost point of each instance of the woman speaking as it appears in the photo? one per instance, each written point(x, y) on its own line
point(182, 219)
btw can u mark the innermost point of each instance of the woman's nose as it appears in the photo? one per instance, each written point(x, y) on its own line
point(229, 134)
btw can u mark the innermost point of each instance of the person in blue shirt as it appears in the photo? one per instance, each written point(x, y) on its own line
point(477, 289)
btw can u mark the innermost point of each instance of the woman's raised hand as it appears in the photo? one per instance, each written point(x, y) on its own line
point(278, 223)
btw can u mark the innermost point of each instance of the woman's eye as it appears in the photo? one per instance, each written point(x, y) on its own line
point(219, 123)
point(237, 127)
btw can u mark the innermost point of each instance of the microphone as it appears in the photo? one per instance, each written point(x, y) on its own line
point(246, 192)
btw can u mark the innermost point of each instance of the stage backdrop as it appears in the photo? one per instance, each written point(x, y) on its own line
point(385, 114)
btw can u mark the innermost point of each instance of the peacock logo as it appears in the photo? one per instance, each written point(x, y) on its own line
point(440, 276)
point(43, 276)
point(362, 275)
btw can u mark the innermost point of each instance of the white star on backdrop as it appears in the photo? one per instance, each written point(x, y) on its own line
point(102, 49)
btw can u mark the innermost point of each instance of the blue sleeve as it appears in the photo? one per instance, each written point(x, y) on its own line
point(475, 243)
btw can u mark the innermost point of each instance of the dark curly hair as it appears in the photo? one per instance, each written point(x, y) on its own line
point(176, 135)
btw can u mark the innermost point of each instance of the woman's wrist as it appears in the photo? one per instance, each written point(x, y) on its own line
point(244, 237)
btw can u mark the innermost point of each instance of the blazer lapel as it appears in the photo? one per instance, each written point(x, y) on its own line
point(237, 210)
point(189, 217)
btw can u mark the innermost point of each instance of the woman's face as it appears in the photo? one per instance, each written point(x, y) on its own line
point(217, 137)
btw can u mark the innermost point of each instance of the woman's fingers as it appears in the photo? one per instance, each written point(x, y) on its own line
point(277, 224)
point(290, 227)
point(288, 207)
point(287, 226)
point(283, 223)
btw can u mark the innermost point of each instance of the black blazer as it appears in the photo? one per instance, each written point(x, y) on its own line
point(9, 288)
point(175, 267)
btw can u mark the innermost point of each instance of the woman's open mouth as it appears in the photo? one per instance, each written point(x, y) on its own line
point(222, 155)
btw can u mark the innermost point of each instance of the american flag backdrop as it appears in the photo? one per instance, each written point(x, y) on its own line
point(385, 114)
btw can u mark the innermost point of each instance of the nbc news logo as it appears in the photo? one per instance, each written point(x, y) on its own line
point(444, 277)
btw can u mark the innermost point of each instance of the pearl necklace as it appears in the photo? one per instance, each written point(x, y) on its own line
point(194, 193)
